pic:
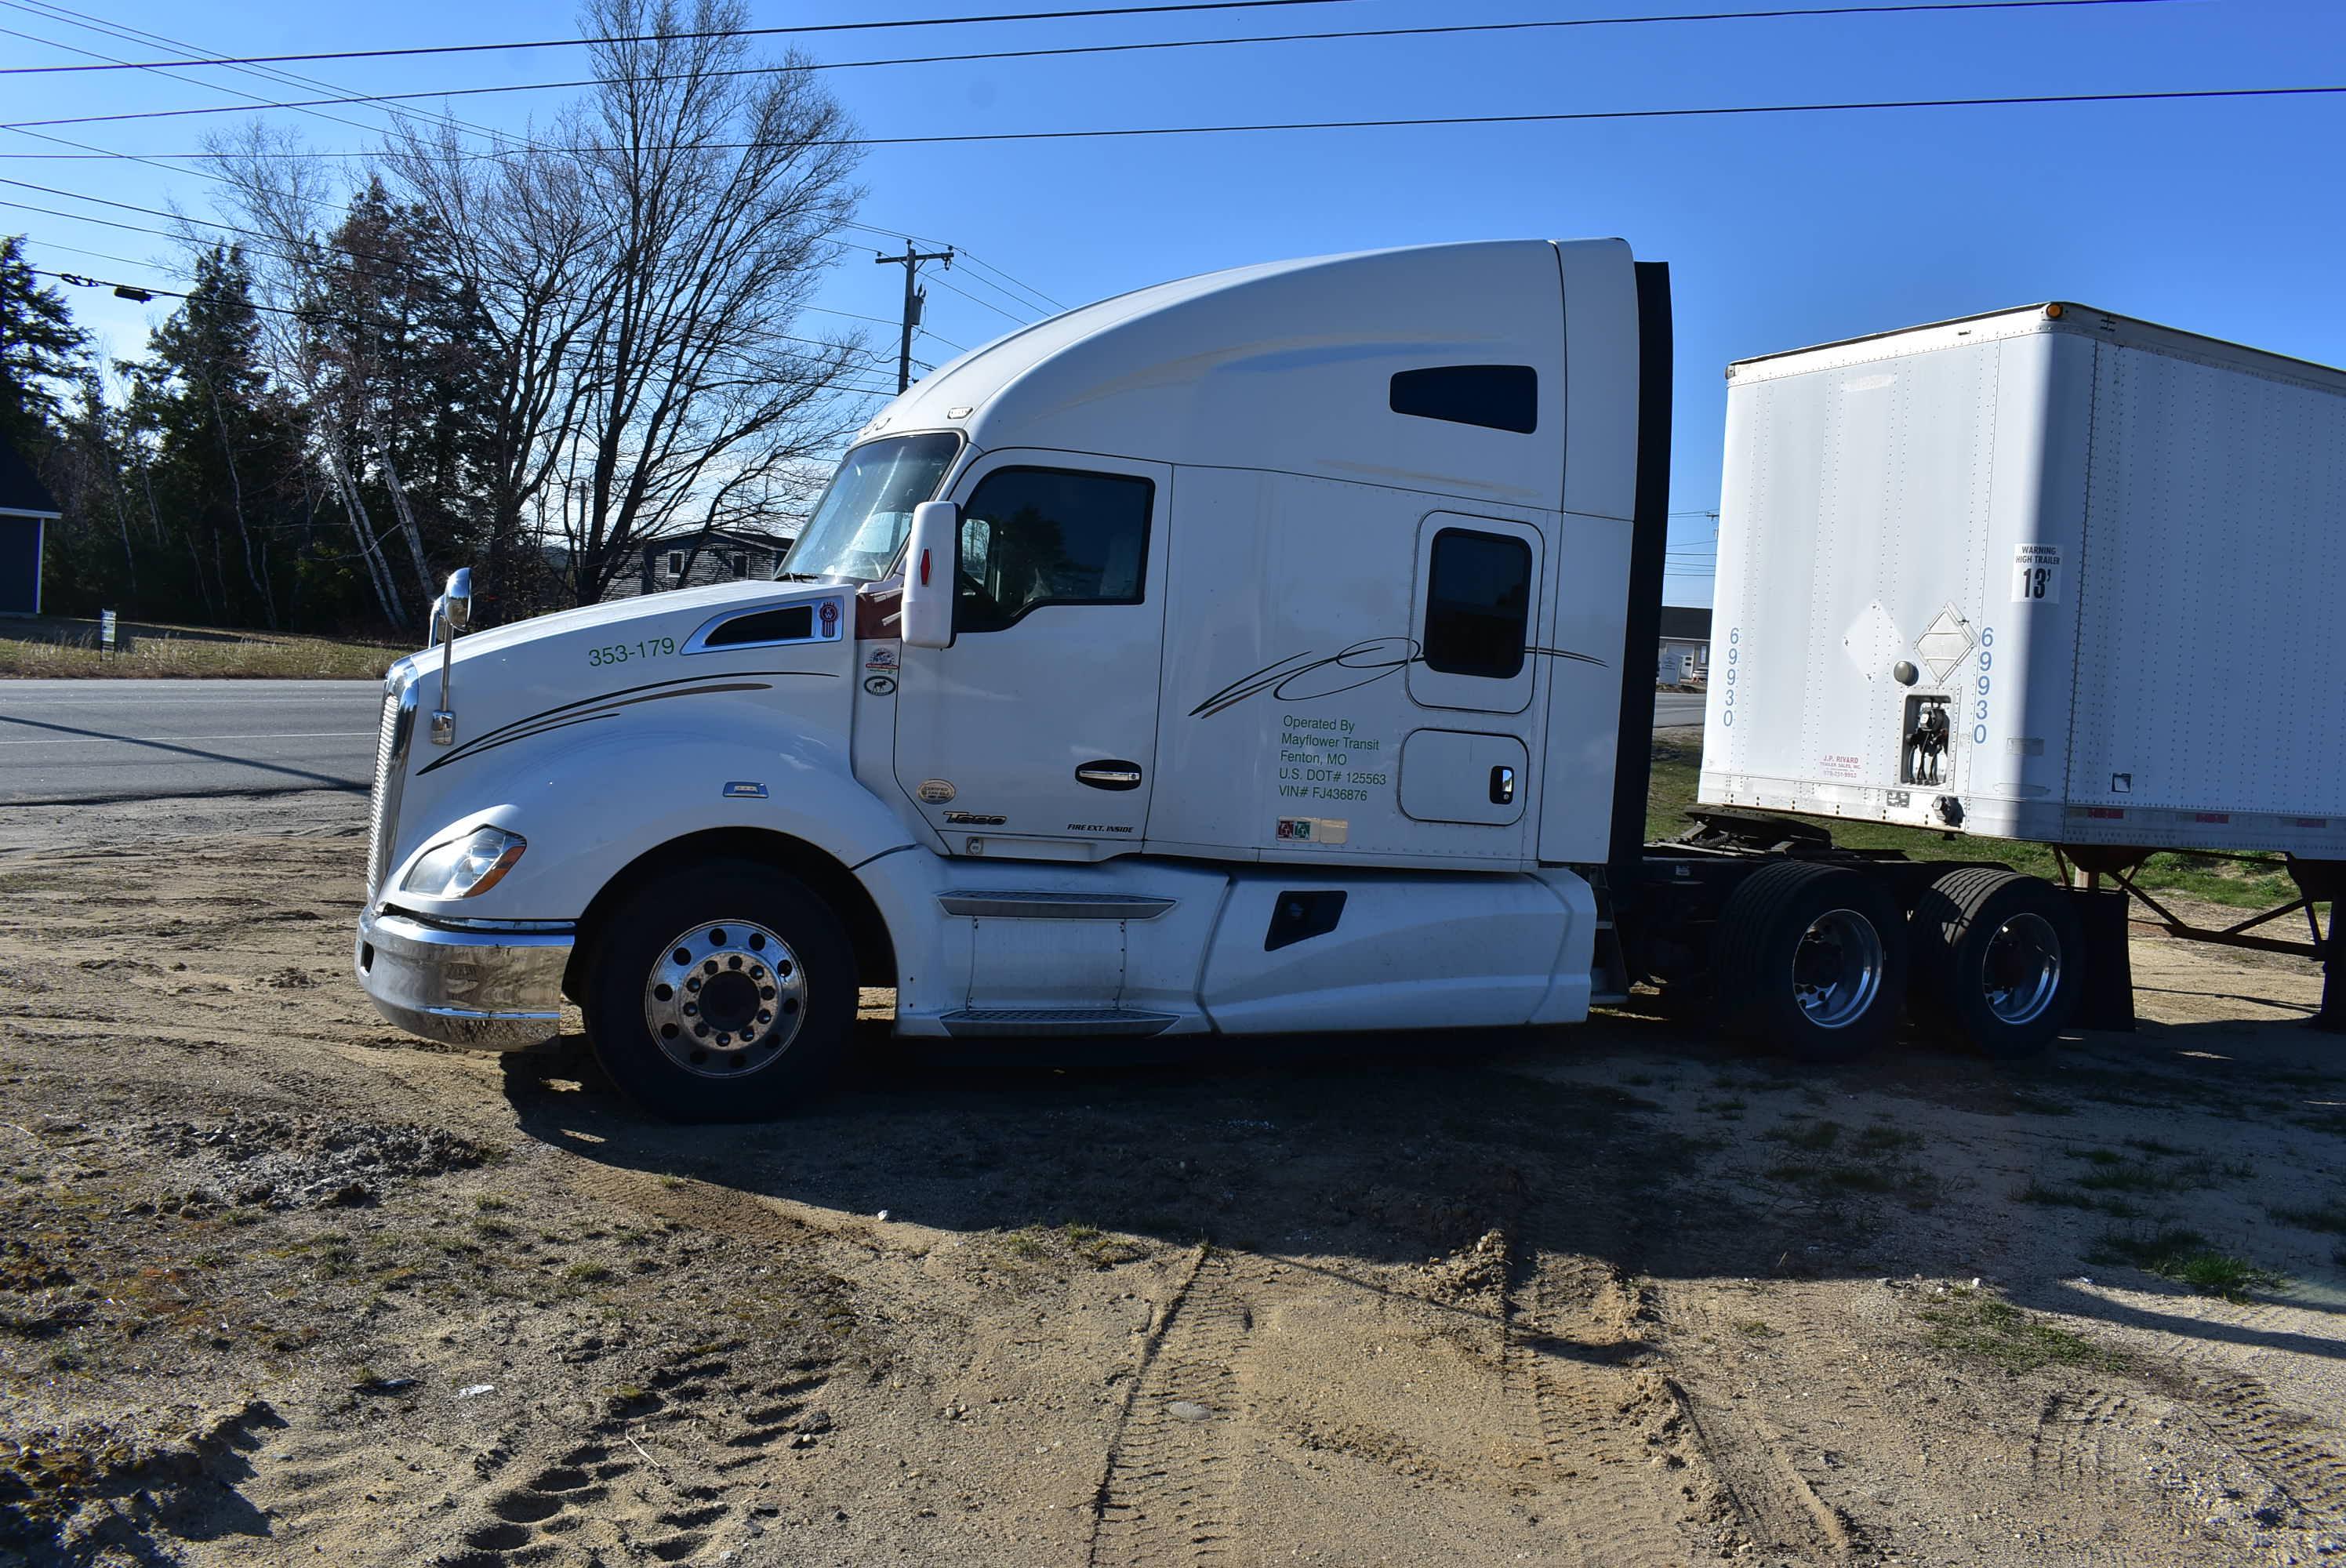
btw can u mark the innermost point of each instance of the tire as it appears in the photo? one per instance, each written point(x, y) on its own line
point(1998, 961)
point(1812, 960)
point(769, 960)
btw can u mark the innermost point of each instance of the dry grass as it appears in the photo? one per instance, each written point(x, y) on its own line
point(55, 646)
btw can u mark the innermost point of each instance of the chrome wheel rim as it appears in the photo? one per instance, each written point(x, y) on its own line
point(725, 999)
point(2020, 972)
point(1837, 968)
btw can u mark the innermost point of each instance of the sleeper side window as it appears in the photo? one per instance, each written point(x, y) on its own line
point(1478, 602)
point(1037, 537)
point(1497, 397)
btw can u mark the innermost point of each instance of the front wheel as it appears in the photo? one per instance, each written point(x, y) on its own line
point(720, 993)
point(1997, 960)
point(1812, 960)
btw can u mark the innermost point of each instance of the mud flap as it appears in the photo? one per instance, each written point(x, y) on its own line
point(2106, 1001)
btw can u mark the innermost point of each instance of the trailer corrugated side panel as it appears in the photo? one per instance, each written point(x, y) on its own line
point(2113, 556)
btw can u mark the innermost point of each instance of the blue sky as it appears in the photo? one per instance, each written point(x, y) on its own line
point(2226, 218)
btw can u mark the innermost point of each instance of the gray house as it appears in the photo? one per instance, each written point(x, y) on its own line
point(696, 560)
point(26, 510)
point(1686, 647)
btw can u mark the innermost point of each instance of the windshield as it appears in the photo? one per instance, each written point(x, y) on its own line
point(866, 510)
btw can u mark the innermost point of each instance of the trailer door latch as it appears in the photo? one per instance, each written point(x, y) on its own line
point(1924, 756)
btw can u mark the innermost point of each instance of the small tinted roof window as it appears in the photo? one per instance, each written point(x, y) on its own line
point(1497, 397)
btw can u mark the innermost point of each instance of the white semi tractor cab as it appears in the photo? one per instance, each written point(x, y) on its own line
point(1267, 651)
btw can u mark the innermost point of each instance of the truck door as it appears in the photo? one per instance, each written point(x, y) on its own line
point(1040, 721)
point(1469, 759)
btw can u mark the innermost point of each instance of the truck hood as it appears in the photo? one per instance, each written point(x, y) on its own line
point(747, 678)
point(617, 614)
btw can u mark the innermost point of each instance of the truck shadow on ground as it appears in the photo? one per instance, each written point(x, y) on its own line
point(1628, 1142)
point(1390, 1149)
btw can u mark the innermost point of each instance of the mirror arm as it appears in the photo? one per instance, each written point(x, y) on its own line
point(443, 718)
point(451, 610)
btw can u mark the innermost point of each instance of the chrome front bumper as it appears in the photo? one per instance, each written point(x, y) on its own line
point(489, 989)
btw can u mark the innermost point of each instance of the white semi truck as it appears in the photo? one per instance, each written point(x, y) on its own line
point(1266, 651)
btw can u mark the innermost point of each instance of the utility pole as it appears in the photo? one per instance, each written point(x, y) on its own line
point(914, 300)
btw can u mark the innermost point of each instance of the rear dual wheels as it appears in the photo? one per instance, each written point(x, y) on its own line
point(1815, 960)
point(720, 993)
point(1812, 960)
point(1997, 960)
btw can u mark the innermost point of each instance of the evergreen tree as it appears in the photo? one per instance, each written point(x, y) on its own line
point(40, 348)
point(227, 456)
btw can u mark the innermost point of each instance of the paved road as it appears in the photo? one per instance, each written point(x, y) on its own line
point(72, 741)
point(1673, 708)
point(75, 742)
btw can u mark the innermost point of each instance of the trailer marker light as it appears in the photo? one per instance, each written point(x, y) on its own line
point(2051, 312)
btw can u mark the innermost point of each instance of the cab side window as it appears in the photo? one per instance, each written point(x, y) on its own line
point(1478, 603)
point(1037, 537)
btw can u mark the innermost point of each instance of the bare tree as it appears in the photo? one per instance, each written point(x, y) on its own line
point(521, 229)
point(719, 193)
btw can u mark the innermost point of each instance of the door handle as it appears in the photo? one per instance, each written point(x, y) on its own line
point(1108, 773)
point(1503, 785)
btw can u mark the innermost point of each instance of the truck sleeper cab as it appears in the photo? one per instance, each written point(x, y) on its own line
point(1263, 651)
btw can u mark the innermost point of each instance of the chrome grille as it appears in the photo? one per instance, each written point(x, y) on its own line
point(389, 774)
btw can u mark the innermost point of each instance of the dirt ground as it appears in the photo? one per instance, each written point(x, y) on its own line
point(278, 1284)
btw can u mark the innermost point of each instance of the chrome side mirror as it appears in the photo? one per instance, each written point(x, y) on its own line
point(450, 613)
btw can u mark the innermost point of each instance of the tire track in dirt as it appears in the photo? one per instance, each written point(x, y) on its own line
point(2236, 1410)
point(725, 1427)
point(1621, 1487)
point(319, 1478)
point(1779, 1512)
point(1164, 1493)
point(1775, 1479)
point(2075, 1452)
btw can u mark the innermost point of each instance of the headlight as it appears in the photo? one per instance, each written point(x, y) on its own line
point(459, 868)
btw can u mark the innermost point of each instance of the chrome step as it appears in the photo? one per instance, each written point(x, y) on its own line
point(1023, 904)
point(978, 1023)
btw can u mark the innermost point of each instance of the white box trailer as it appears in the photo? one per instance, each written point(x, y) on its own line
point(2050, 574)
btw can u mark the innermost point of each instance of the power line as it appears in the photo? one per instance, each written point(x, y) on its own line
point(2017, 100)
point(49, 10)
point(960, 253)
point(98, 24)
point(866, 355)
point(1920, 6)
point(253, 100)
point(1190, 6)
point(270, 246)
point(983, 282)
point(941, 283)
